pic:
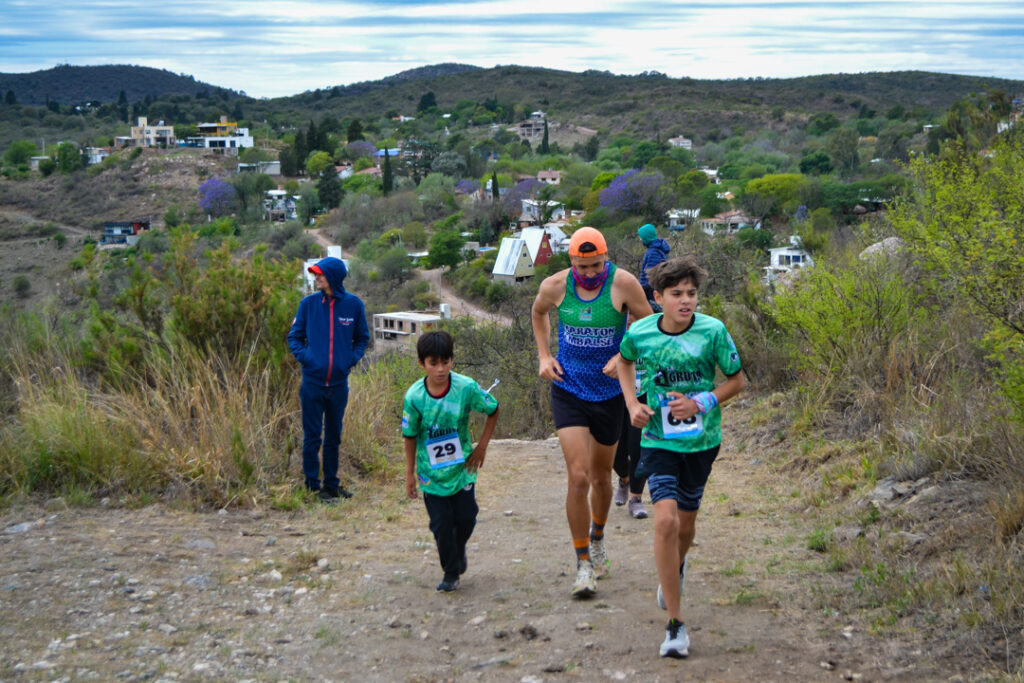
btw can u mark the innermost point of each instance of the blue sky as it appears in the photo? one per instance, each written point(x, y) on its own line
point(287, 46)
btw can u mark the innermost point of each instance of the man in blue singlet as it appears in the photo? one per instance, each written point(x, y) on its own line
point(593, 298)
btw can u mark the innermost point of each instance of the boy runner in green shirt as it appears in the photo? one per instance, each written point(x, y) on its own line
point(681, 350)
point(439, 455)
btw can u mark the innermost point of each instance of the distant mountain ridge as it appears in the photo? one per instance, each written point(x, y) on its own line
point(66, 84)
point(431, 71)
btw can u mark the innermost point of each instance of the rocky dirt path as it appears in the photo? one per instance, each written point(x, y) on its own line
point(347, 592)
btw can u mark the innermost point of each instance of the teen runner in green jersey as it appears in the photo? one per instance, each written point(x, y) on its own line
point(680, 350)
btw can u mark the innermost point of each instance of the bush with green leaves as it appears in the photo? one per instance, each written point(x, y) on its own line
point(964, 221)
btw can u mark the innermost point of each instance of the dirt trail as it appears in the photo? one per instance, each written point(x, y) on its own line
point(460, 307)
point(347, 592)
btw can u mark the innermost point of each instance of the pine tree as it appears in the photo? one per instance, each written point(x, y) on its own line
point(301, 152)
point(388, 181)
point(355, 131)
point(494, 187)
point(328, 188)
point(544, 149)
point(312, 139)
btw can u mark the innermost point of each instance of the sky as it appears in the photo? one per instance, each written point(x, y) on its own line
point(282, 47)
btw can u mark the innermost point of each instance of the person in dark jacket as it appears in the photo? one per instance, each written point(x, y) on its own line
point(657, 251)
point(328, 337)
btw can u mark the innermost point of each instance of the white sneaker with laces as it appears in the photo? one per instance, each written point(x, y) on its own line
point(636, 509)
point(586, 581)
point(599, 558)
point(682, 585)
point(677, 641)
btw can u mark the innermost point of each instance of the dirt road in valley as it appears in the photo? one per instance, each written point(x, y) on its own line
point(347, 592)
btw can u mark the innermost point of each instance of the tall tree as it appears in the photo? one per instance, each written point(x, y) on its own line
point(387, 180)
point(329, 188)
point(544, 147)
point(301, 151)
point(289, 164)
point(312, 138)
point(68, 158)
point(494, 187)
point(355, 131)
point(9, 99)
point(428, 101)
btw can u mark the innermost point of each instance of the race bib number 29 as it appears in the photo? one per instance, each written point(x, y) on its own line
point(674, 428)
point(445, 451)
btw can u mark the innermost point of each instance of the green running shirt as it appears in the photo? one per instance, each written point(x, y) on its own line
point(440, 426)
point(683, 362)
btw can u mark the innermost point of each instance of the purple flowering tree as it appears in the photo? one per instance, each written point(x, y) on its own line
point(216, 197)
point(636, 193)
point(466, 186)
point(361, 148)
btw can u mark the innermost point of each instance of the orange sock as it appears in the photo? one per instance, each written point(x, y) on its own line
point(597, 528)
point(582, 547)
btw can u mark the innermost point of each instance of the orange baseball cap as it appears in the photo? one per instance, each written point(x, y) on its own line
point(315, 269)
point(587, 242)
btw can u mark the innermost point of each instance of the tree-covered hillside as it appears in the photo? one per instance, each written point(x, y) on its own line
point(73, 85)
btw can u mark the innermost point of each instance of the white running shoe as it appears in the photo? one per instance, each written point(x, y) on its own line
point(682, 585)
point(621, 493)
point(677, 642)
point(599, 558)
point(586, 581)
point(636, 509)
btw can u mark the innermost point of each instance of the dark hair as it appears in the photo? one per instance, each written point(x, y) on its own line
point(435, 344)
point(673, 271)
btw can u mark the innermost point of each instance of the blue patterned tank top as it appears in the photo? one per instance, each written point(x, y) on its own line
point(589, 333)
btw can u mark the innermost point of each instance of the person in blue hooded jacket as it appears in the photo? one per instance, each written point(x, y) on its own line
point(328, 337)
point(657, 251)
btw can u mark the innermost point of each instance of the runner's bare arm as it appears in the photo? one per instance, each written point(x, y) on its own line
point(476, 458)
point(628, 295)
point(549, 295)
point(639, 414)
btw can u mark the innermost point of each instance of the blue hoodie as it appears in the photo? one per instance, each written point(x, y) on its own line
point(329, 334)
point(657, 251)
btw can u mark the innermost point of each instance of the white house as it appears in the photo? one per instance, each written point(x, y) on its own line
point(146, 135)
point(550, 177)
point(678, 219)
point(685, 143)
point(514, 263)
point(783, 260)
point(727, 223)
point(534, 208)
point(268, 167)
point(279, 206)
point(557, 238)
point(97, 154)
point(403, 328)
point(223, 135)
point(712, 174)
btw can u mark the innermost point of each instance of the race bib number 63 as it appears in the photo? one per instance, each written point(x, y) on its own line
point(674, 428)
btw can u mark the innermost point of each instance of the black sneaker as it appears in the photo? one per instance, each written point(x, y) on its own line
point(343, 492)
point(448, 585)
